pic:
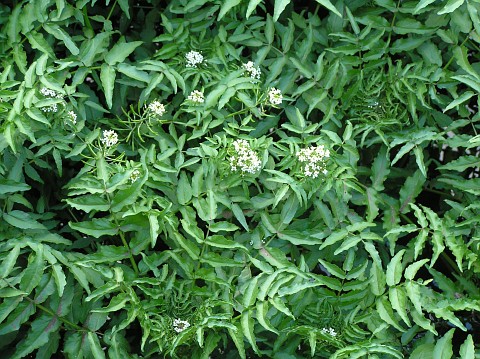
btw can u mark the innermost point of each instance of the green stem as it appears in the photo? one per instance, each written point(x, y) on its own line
point(127, 247)
point(111, 10)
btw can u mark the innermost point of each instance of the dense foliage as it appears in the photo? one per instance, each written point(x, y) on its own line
point(239, 178)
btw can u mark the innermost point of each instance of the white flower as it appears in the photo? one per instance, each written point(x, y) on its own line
point(72, 117)
point(109, 138)
point(314, 160)
point(245, 159)
point(275, 96)
point(156, 108)
point(52, 108)
point(196, 96)
point(50, 93)
point(193, 58)
point(253, 71)
point(330, 331)
point(134, 176)
point(180, 325)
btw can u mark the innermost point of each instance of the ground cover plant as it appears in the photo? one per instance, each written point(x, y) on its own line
point(239, 179)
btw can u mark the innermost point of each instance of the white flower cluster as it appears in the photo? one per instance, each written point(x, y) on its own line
point(72, 117)
point(196, 96)
point(180, 325)
point(253, 71)
point(275, 96)
point(314, 160)
point(50, 93)
point(156, 108)
point(330, 331)
point(193, 58)
point(110, 138)
point(134, 176)
point(244, 159)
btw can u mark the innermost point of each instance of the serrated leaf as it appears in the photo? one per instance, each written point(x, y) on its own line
point(394, 269)
point(88, 203)
point(262, 310)
point(40, 330)
point(467, 95)
point(97, 227)
point(413, 268)
point(247, 327)
point(410, 190)
point(385, 311)
point(467, 349)
point(443, 347)
point(34, 272)
point(95, 347)
point(9, 262)
point(398, 299)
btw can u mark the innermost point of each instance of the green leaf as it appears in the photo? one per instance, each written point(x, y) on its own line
point(394, 269)
point(127, 196)
point(410, 190)
point(63, 36)
point(418, 151)
point(222, 242)
point(385, 311)
point(97, 227)
point(9, 261)
point(262, 310)
point(226, 6)
point(461, 163)
point(421, 5)
point(451, 6)
point(38, 335)
point(329, 6)
point(34, 272)
point(120, 51)
point(95, 347)
point(279, 6)
point(459, 100)
point(398, 299)
point(184, 189)
point(252, 5)
point(247, 327)
point(10, 186)
point(467, 349)
point(413, 268)
point(107, 77)
point(443, 347)
point(88, 203)
point(60, 278)
point(334, 238)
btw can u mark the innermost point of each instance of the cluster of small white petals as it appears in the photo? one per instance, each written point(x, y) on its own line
point(52, 108)
point(313, 159)
point(134, 176)
point(180, 325)
point(330, 331)
point(253, 71)
point(110, 138)
point(196, 96)
point(50, 93)
point(72, 117)
point(245, 159)
point(156, 108)
point(193, 58)
point(275, 96)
